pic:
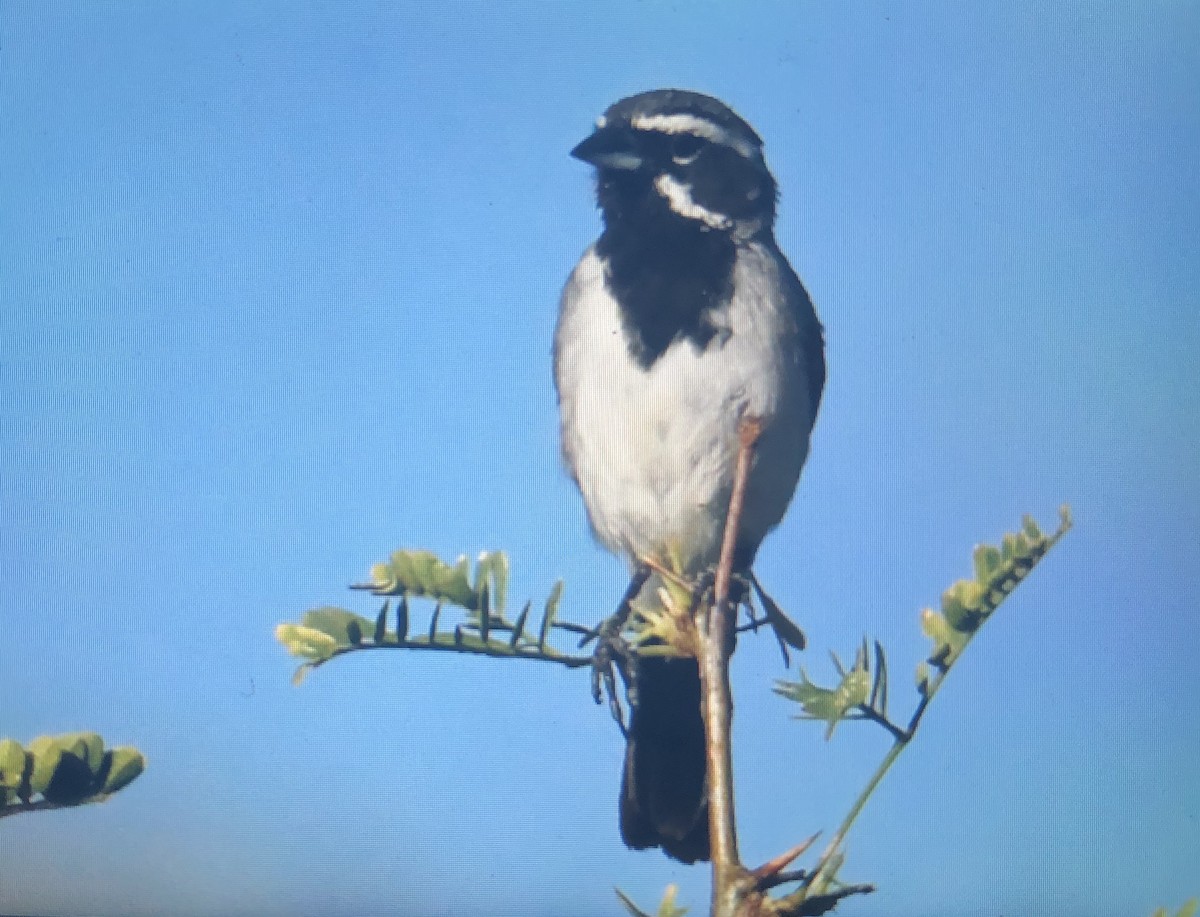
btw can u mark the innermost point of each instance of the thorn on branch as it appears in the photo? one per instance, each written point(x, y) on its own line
point(767, 874)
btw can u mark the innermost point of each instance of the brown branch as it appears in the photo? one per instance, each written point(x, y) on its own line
point(731, 882)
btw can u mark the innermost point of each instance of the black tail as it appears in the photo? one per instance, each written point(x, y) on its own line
point(663, 790)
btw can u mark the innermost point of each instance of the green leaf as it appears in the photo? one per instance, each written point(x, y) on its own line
point(345, 627)
point(923, 678)
point(47, 754)
point(485, 614)
point(837, 664)
point(970, 593)
point(87, 746)
point(402, 619)
point(423, 573)
point(1030, 527)
point(879, 683)
point(12, 763)
point(1014, 545)
point(433, 622)
point(384, 580)
point(828, 704)
point(550, 613)
point(948, 642)
point(73, 781)
point(963, 605)
point(127, 765)
point(453, 584)
point(380, 625)
point(633, 909)
point(300, 674)
point(667, 907)
point(1188, 909)
point(307, 642)
point(968, 603)
point(519, 627)
point(987, 561)
point(491, 569)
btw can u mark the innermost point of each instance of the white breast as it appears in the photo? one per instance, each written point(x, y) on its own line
point(653, 451)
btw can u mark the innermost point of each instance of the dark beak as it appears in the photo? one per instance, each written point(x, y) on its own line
point(610, 148)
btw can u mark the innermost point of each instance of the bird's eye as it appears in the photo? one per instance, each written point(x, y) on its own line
point(685, 148)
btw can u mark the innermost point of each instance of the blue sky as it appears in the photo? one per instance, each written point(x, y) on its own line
point(277, 286)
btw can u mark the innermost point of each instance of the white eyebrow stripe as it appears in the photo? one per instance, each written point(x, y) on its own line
point(699, 127)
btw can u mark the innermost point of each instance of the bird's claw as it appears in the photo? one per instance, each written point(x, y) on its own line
point(701, 591)
point(614, 656)
point(614, 652)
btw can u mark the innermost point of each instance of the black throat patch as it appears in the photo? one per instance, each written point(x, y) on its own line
point(669, 275)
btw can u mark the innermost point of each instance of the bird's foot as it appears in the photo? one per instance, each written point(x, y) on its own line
point(702, 592)
point(614, 655)
point(704, 589)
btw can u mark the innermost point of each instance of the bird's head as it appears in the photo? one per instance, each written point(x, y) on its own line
point(680, 156)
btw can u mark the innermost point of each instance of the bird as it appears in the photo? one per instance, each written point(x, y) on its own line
point(679, 321)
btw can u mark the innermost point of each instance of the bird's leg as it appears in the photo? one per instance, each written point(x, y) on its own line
point(613, 651)
point(739, 597)
point(739, 593)
point(702, 592)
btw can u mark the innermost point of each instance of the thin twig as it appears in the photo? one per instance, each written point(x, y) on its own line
point(866, 712)
point(467, 645)
point(731, 883)
point(844, 828)
point(926, 697)
point(901, 738)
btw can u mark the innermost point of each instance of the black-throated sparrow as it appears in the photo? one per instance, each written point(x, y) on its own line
point(683, 318)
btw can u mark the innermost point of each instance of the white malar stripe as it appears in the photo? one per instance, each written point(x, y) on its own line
point(679, 196)
point(699, 127)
